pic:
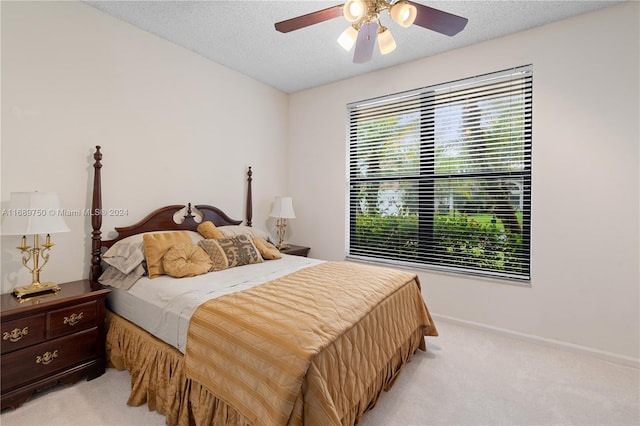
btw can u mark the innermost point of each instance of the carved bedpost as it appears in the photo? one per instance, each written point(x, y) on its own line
point(249, 200)
point(96, 219)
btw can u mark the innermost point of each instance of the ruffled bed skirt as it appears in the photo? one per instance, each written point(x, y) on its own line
point(158, 378)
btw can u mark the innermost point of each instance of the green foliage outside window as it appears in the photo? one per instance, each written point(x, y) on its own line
point(395, 235)
point(472, 242)
point(458, 239)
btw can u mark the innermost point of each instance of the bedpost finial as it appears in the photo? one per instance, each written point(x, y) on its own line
point(97, 156)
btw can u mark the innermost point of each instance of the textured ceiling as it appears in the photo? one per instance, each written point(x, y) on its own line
point(241, 34)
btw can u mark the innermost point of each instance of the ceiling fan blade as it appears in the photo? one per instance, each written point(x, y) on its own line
point(365, 42)
point(309, 19)
point(438, 20)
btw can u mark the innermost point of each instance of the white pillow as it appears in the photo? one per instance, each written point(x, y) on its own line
point(114, 278)
point(235, 230)
point(128, 253)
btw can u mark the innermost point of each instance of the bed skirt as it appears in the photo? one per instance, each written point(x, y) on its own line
point(158, 378)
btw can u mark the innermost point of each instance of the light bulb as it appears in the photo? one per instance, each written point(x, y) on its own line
point(386, 42)
point(403, 13)
point(354, 10)
point(348, 38)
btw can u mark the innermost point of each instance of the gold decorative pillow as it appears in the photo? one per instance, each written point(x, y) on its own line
point(266, 249)
point(155, 247)
point(235, 230)
point(215, 253)
point(186, 260)
point(239, 250)
point(209, 231)
point(128, 253)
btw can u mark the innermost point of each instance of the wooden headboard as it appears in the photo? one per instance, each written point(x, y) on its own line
point(161, 219)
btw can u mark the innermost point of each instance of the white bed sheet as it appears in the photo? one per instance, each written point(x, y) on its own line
point(163, 306)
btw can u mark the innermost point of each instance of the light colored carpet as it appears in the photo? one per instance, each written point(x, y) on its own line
point(467, 377)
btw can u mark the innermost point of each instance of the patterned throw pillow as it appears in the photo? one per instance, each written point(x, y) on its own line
point(216, 254)
point(238, 250)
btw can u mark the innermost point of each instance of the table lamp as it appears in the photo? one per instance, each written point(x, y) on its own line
point(34, 213)
point(282, 210)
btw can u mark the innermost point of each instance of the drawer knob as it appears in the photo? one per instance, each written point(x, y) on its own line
point(73, 319)
point(15, 334)
point(47, 357)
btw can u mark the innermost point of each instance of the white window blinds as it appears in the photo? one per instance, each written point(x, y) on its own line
point(441, 177)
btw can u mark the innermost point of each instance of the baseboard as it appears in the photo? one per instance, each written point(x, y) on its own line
point(607, 356)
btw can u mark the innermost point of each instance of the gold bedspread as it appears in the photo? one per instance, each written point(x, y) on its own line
point(334, 389)
point(310, 346)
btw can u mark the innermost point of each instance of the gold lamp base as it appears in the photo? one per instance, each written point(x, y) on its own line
point(35, 289)
point(281, 223)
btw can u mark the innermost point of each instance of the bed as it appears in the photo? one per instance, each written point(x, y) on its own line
point(292, 340)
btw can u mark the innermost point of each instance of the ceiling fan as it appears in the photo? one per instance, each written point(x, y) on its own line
point(364, 16)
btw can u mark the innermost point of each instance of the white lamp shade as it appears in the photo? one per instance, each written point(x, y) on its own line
point(386, 42)
point(354, 10)
point(31, 213)
point(283, 208)
point(403, 13)
point(348, 38)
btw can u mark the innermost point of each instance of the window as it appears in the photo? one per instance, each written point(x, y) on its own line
point(440, 177)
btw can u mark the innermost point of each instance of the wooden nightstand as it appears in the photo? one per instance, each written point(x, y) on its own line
point(296, 250)
point(51, 339)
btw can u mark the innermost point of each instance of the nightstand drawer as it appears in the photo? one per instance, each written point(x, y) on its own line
point(60, 339)
point(46, 358)
point(23, 332)
point(72, 319)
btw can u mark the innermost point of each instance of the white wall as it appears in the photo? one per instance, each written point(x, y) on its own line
point(172, 126)
point(585, 278)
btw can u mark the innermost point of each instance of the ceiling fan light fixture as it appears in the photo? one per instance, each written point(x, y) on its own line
point(403, 13)
point(348, 38)
point(386, 42)
point(365, 26)
point(354, 10)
